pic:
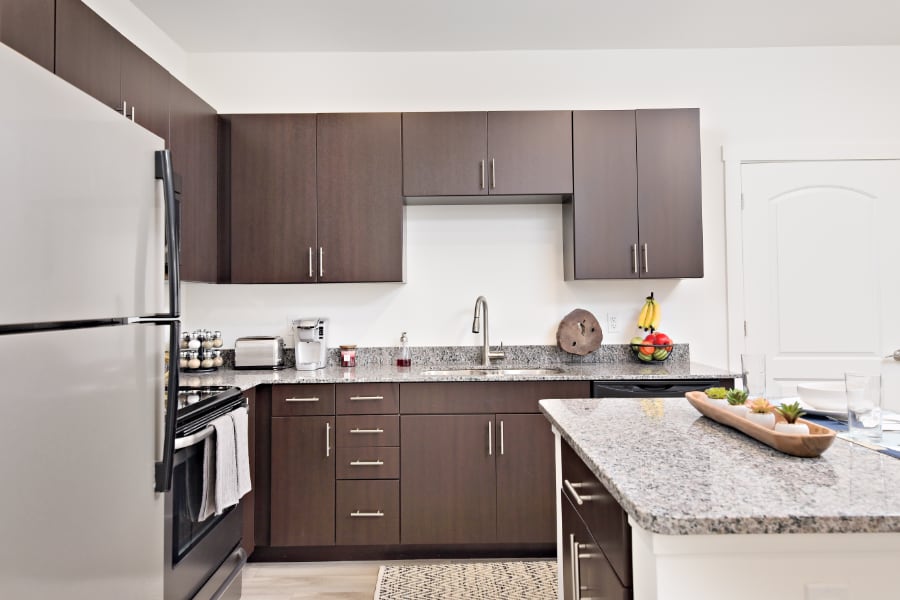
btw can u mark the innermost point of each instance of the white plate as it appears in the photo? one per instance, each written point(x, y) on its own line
point(824, 396)
point(813, 412)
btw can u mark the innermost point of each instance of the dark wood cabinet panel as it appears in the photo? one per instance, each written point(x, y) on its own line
point(669, 195)
point(368, 512)
point(604, 212)
point(273, 198)
point(357, 431)
point(367, 398)
point(360, 202)
point(530, 152)
point(445, 154)
point(302, 496)
point(485, 396)
point(300, 399)
point(526, 502)
point(28, 27)
point(145, 89)
point(591, 575)
point(447, 483)
point(636, 210)
point(88, 52)
point(193, 140)
point(248, 502)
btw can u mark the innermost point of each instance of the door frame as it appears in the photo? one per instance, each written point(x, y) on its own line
point(734, 156)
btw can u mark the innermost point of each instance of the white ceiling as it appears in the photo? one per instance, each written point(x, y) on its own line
point(460, 25)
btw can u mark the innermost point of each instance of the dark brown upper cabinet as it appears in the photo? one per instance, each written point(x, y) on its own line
point(272, 191)
point(89, 52)
point(28, 27)
point(193, 142)
point(481, 153)
point(360, 203)
point(636, 207)
point(145, 88)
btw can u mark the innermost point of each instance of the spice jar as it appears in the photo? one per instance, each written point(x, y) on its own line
point(217, 358)
point(183, 357)
point(348, 355)
point(193, 360)
point(217, 339)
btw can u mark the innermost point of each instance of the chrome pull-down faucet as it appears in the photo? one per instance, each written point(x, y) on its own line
point(486, 353)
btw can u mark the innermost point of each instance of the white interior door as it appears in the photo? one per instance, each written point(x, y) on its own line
point(821, 277)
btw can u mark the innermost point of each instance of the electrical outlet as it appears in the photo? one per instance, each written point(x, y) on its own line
point(826, 591)
point(613, 321)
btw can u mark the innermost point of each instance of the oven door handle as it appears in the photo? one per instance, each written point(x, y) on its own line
point(195, 438)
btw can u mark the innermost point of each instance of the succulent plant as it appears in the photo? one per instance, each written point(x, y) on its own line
point(736, 397)
point(760, 406)
point(716, 393)
point(791, 412)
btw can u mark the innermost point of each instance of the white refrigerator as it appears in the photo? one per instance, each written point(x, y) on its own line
point(87, 226)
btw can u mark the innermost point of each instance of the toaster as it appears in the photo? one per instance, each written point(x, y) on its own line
point(259, 352)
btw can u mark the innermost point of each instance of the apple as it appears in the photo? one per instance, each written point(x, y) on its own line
point(636, 342)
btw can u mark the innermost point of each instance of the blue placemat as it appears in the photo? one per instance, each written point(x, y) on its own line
point(842, 428)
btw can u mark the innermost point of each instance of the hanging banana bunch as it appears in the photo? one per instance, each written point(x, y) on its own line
point(650, 314)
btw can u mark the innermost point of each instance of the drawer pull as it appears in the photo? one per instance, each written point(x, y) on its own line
point(301, 399)
point(357, 514)
point(576, 568)
point(357, 430)
point(367, 397)
point(575, 495)
point(366, 463)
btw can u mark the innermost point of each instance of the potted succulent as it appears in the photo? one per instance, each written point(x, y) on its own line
point(737, 402)
point(791, 412)
point(716, 394)
point(761, 413)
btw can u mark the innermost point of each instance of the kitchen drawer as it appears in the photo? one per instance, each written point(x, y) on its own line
point(605, 519)
point(367, 398)
point(585, 568)
point(356, 431)
point(367, 512)
point(293, 400)
point(369, 462)
point(474, 397)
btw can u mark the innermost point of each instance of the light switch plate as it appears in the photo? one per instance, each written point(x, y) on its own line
point(613, 322)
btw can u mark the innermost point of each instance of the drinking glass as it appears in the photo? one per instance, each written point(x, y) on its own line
point(864, 420)
point(753, 369)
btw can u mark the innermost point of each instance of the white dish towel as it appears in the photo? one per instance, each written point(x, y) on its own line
point(226, 466)
point(241, 448)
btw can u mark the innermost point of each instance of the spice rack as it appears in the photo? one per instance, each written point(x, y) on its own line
point(200, 351)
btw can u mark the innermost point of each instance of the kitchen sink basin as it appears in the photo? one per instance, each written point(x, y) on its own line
point(491, 372)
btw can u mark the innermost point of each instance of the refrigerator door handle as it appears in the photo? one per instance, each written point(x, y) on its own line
point(168, 408)
point(173, 258)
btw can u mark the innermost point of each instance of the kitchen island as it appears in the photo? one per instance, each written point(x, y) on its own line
point(715, 514)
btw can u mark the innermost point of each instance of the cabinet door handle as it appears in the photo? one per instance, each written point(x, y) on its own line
point(482, 174)
point(646, 259)
point(301, 399)
point(575, 495)
point(357, 430)
point(490, 445)
point(311, 273)
point(358, 514)
point(327, 439)
point(132, 113)
point(501, 438)
point(367, 397)
point(124, 109)
point(493, 174)
point(634, 260)
point(366, 463)
point(576, 575)
point(321, 262)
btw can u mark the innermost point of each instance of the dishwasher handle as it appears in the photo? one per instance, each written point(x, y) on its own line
point(653, 389)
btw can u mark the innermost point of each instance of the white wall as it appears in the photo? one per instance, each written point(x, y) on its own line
point(513, 254)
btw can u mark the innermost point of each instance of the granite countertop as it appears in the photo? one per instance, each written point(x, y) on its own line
point(676, 472)
point(386, 373)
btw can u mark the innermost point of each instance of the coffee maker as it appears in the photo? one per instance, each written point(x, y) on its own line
point(312, 343)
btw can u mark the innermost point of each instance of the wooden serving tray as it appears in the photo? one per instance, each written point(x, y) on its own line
point(795, 444)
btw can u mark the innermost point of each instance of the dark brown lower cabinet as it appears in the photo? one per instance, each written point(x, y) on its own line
point(302, 481)
point(367, 512)
point(248, 502)
point(526, 503)
point(448, 489)
point(585, 572)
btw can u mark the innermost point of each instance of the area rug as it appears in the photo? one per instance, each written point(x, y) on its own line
point(468, 581)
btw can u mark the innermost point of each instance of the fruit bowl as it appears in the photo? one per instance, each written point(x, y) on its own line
point(651, 353)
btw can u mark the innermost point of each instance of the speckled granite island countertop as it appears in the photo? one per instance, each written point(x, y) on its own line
point(623, 371)
point(676, 472)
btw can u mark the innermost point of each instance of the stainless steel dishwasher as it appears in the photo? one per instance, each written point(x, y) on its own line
point(652, 388)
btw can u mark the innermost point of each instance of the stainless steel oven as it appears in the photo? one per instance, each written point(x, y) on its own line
point(203, 558)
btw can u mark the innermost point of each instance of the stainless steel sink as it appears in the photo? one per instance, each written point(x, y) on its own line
point(491, 372)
